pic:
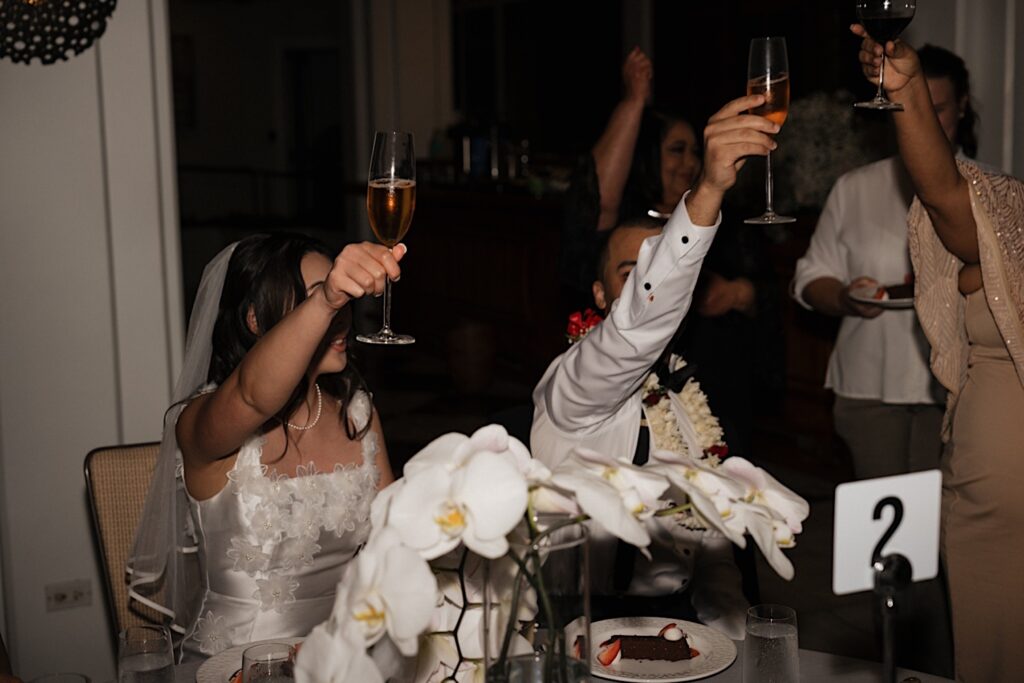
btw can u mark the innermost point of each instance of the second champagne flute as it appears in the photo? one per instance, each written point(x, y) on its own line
point(390, 202)
point(768, 75)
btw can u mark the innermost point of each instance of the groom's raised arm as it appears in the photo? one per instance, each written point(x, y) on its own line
point(593, 378)
point(590, 382)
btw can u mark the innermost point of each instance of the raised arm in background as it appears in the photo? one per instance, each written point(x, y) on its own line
point(923, 146)
point(613, 151)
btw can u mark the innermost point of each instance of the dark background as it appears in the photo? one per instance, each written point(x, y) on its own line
point(481, 293)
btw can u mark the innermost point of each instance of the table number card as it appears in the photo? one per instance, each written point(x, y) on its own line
point(882, 516)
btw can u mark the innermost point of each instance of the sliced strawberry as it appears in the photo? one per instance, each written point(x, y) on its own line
point(608, 654)
point(879, 294)
point(664, 629)
point(577, 647)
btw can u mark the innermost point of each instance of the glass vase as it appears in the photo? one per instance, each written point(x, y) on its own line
point(537, 606)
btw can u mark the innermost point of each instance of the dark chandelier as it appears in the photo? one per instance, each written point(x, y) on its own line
point(51, 30)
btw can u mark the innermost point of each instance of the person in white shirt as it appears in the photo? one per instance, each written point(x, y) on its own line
point(888, 408)
point(887, 404)
point(590, 395)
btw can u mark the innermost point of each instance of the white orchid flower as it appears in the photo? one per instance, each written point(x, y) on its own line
point(616, 495)
point(713, 510)
point(758, 521)
point(335, 654)
point(762, 488)
point(393, 591)
point(478, 504)
point(708, 478)
point(547, 499)
point(382, 504)
point(454, 450)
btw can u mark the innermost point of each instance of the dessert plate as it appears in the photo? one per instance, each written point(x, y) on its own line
point(716, 651)
point(868, 295)
point(222, 667)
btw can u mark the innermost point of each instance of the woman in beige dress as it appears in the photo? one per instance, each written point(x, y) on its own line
point(967, 246)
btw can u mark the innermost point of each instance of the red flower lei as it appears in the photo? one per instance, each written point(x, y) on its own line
point(581, 323)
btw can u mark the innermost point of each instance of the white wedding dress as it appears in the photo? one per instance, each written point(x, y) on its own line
point(272, 547)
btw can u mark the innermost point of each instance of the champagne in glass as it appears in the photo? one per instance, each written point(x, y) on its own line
point(776, 97)
point(768, 75)
point(390, 206)
point(390, 202)
point(884, 20)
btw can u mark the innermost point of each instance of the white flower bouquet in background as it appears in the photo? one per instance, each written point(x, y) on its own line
point(477, 515)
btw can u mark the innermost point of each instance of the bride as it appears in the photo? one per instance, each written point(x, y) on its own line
point(272, 451)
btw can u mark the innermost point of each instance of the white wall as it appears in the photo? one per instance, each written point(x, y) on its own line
point(91, 311)
point(989, 35)
point(410, 45)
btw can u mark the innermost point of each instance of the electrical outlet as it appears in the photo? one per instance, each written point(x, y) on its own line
point(68, 594)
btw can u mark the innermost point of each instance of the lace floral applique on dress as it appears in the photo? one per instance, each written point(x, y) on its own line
point(290, 513)
point(213, 634)
point(284, 525)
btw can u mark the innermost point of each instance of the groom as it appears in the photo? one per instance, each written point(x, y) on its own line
point(590, 395)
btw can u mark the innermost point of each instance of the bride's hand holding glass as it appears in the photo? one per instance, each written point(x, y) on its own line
point(901, 63)
point(362, 270)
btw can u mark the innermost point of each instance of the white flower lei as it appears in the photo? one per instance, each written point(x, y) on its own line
point(661, 420)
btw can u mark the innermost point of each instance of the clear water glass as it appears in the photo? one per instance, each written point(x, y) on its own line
point(268, 663)
point(770, 651)
point(144, 655)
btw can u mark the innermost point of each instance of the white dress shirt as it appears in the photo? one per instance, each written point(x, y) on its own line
point(862, 231)
point(590, 396)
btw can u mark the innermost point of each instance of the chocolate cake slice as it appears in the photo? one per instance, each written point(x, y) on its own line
point(653, 647)
point(900, 291)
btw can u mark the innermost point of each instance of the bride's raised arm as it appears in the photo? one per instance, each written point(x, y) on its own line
point(214, 425)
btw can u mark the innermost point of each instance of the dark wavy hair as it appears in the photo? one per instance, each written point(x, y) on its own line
point(265, 275)
point(937, 62)
point(643, 189)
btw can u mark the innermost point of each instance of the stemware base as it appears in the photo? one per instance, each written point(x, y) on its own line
point(880, 104)
point(769, 218)
point(386, 338)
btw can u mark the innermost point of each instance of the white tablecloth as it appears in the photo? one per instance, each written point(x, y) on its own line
point(815, 667)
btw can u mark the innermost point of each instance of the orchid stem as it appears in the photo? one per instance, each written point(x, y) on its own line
point(513, 611)
point(685, 507)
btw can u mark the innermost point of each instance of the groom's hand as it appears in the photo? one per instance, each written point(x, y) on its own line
point(730, 136)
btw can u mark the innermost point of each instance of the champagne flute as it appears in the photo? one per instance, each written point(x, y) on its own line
point(884, 20)
point(390, 202)
point(768, 75)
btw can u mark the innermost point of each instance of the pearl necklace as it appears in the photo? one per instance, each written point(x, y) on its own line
point(319, 408)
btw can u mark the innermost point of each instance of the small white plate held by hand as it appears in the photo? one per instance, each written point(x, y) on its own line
point(886, 296)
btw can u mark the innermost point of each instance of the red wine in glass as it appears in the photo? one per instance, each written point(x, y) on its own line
point(883, 27)
point(884, 20)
